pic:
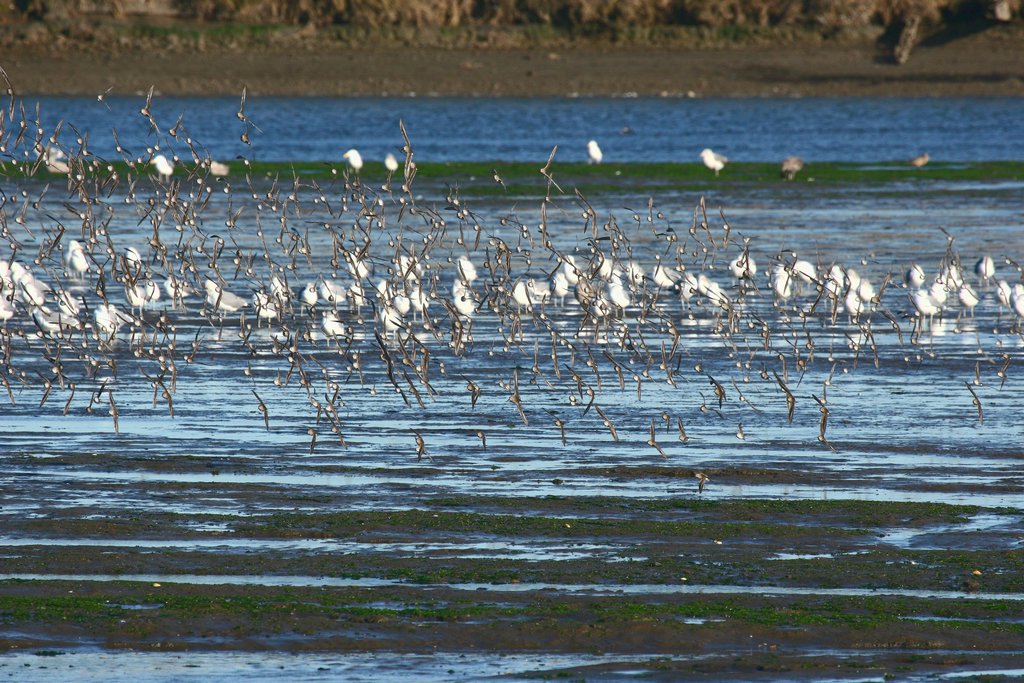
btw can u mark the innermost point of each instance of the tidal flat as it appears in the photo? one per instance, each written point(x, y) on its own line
point(780, 474)
point(674, 587)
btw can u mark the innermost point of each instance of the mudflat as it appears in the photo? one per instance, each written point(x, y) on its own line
point(989, 62)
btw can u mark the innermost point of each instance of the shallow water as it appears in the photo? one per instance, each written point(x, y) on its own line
point(530, 552)
point(272, 666)
point(90, 665)
point(486, 129)
point(901, 418)
point(647, 590)
point(902, 425)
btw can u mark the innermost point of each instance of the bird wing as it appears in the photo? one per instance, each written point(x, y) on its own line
point(232, 300)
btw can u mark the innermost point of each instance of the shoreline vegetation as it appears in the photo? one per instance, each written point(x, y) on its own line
point(674, 48)
point(620, 20)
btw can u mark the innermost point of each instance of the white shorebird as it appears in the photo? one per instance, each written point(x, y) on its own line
point(219, 169)
point(76, 260)
point(985, 268)
point(952, 277)
point(55, 163)
point(309, 294)
point(540, 292)
point(1004, 293)
point(865, 290)
point(635, 274)
point(464, 299)
point(560, 286)
point(267, 306)
point(67, 303)
point(853, 304)
point(915, 277)
point(33, 292)
point(688, 285)
point(805, 271)
point(938, 293)
point(968, 298)
point(926, 306)
point(1017, 300)
point(401, 303)
point(354, 159)
point(594, 153)
point(390, 320)
point(743, 267)
point(176, 289)
point(663, 275)
point(618, 295)
point(222, 300)
point(715, 162)
point(132, 259)
point(333, 292)
point(835, 282)
point(164, 167)
point(782, 281)
point(521, 295)
point(712, 291)
point(357, 266)
point(109, 319)
point(332, 324)
point(408, 267)
point(142, 292)
point(571, 271)
point(357, 296)
point(467, 271)
point(53, 322)
point(6, 309)
point(279, 288)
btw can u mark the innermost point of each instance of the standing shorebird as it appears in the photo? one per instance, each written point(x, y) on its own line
point(715, 162)
point(221, 300)
point(164, 167)
point(354, 159)
point(985, 269)
point(594, 153)
point(219, 168)
point(55, 161)
point(791, 166)
point(920, 160)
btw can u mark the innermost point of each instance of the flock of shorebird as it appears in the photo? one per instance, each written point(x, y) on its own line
point(716, 162)
point(368, 282)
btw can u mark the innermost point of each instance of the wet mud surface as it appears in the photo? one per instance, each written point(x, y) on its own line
point(680, 586)
point(985, 63)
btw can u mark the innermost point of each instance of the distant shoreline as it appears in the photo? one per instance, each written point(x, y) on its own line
point(986, 63)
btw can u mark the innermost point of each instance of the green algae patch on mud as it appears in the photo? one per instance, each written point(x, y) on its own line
point(142, 615)
point(517, 178)
point(524, 179)
point(858, 513)
point(694, 564)
point(346, 524)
